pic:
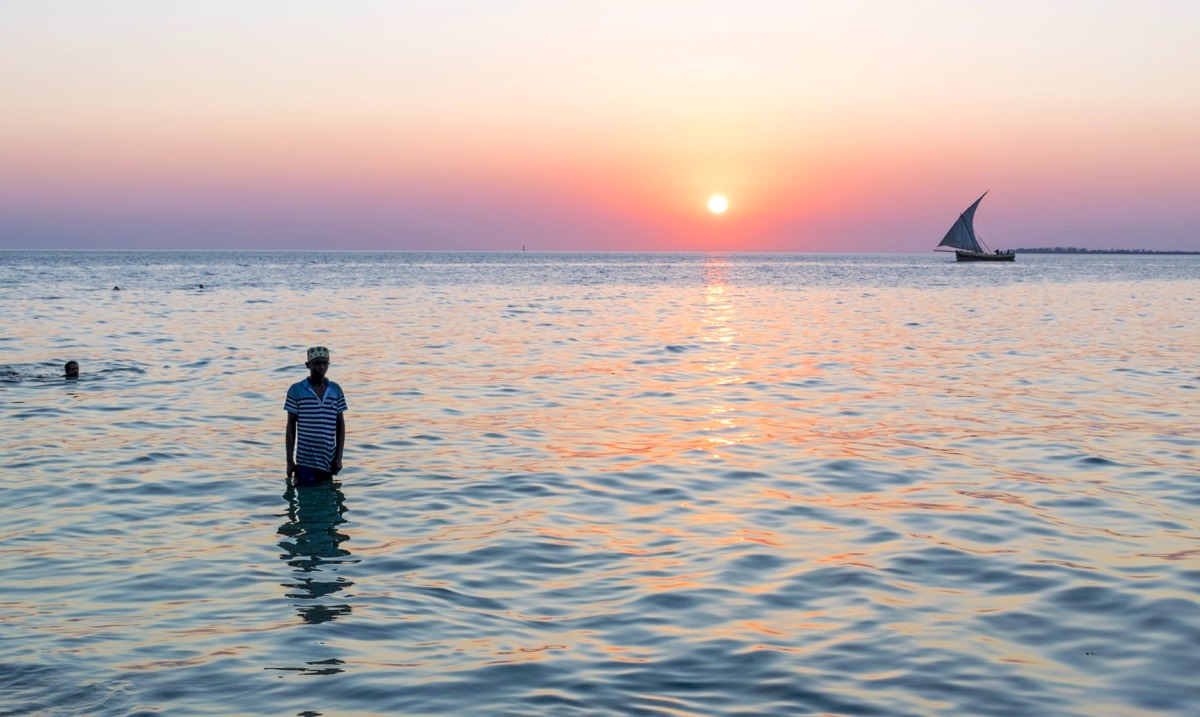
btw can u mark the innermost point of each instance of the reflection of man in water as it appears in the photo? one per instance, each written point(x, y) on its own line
point(71, 370)
point(315, 407)
point(312, 545)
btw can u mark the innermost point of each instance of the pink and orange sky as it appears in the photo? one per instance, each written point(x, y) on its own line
point(597, 126)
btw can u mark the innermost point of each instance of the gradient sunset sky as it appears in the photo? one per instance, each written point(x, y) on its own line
point(597, 126)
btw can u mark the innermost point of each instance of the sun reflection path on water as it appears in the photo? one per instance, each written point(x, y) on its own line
point(718, 334)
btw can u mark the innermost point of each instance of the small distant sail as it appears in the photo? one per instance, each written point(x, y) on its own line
point(962, 235)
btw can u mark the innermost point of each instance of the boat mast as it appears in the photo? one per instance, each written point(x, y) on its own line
point(978, 240)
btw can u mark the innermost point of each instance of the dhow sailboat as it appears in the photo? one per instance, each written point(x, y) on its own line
point(966, 244)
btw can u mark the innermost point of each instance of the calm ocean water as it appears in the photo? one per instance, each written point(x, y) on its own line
point(603, 484)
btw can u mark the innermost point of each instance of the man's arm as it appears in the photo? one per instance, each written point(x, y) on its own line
point(341, 443)
point(290, 441)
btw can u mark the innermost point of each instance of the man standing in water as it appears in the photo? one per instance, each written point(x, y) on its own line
point(315, 407)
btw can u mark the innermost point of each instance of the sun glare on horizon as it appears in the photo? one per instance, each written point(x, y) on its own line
point(717, 204)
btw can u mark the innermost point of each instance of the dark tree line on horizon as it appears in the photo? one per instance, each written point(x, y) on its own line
point(1082, 250)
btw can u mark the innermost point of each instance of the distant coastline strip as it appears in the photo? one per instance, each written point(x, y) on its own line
point(1079, 250)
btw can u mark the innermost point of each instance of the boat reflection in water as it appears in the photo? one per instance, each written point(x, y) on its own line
point(312, 547)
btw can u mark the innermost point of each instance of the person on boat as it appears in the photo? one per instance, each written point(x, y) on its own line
point(71, 369)
point(316, 426)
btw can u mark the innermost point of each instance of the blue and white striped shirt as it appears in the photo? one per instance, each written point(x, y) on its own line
point(316, 422)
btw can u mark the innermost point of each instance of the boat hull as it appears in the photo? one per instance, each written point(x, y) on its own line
point(981, 256)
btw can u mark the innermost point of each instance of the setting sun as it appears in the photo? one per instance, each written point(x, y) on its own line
point(717, 204)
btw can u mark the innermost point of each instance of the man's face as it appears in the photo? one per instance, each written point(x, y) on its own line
point(318, 366)
point(72, 369)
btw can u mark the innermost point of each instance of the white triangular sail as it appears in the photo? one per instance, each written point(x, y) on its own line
point(962, 235)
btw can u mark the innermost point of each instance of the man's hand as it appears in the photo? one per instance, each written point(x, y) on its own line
point(336, 466)
point(291, 468)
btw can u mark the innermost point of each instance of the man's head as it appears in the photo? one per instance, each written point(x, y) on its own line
point(318, 361)
point(71, 369)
